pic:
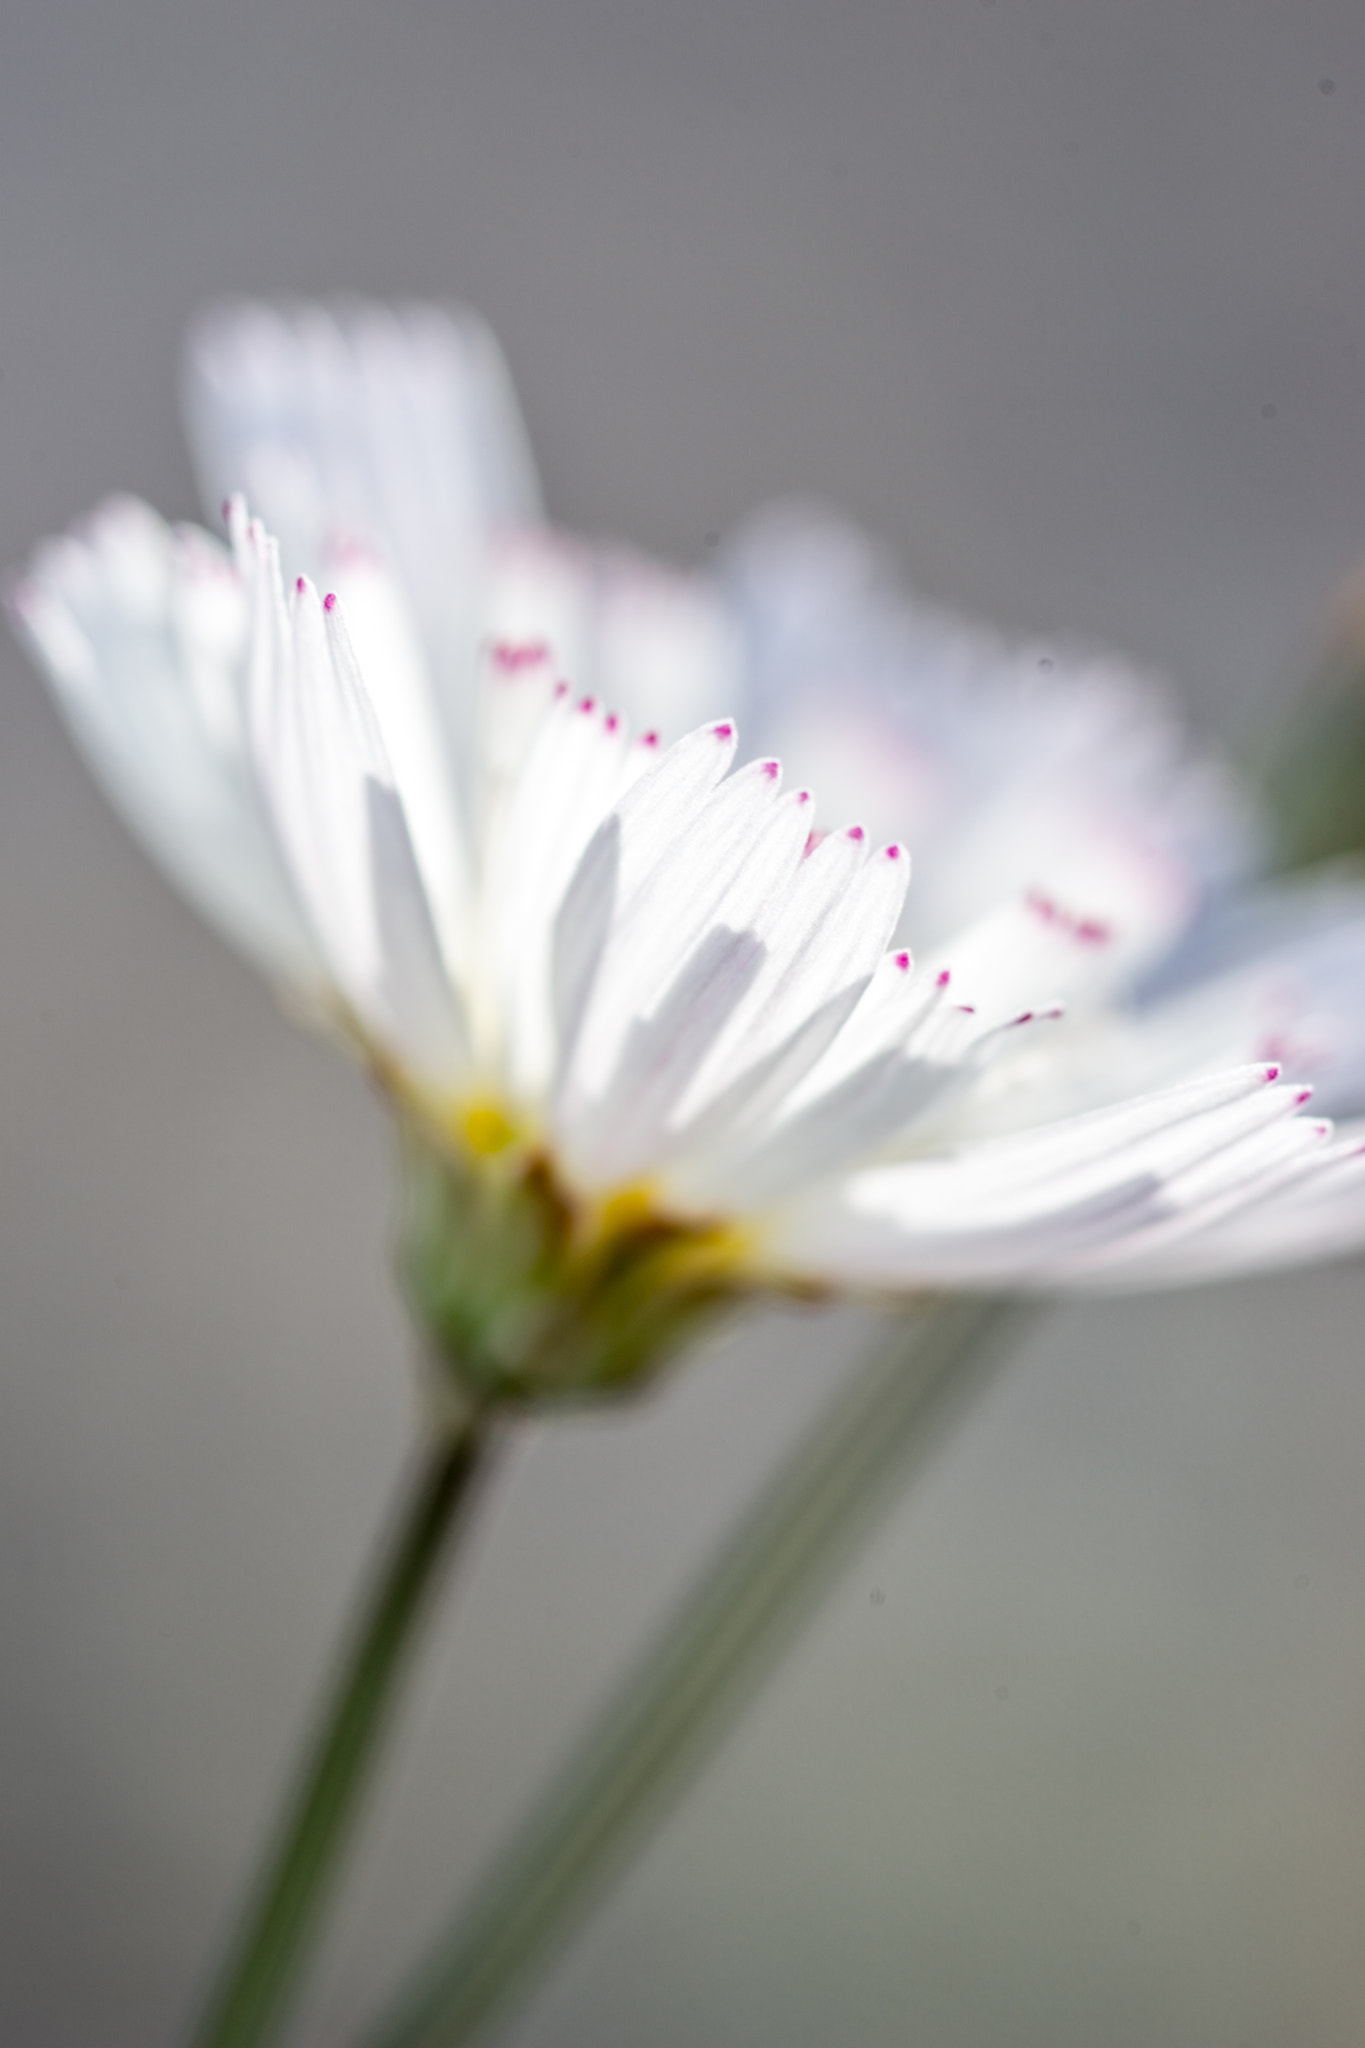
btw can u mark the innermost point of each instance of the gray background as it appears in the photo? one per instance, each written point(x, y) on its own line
point(1066, 298)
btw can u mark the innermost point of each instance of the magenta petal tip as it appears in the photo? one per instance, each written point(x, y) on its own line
point(510, 656)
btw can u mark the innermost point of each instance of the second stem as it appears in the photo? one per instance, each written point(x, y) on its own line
point(700, 1671)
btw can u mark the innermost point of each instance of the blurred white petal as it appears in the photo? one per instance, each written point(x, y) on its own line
point(141, 629)
point(660, 646)
point(1009, 769)
point(393, 427)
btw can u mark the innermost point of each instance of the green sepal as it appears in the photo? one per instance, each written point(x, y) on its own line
point(527, 1298)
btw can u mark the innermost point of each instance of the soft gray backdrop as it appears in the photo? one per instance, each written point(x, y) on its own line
point(1067, 298)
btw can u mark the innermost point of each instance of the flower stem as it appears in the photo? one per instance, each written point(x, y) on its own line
point(689, 1687)
point(247, 2004)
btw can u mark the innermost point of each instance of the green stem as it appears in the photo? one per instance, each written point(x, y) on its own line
point(248, 2003)
point(692, 1682)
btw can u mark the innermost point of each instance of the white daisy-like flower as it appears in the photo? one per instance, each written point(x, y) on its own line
point(654, 1034)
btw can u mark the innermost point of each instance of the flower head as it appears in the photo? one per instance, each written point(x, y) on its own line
point(650, 1021)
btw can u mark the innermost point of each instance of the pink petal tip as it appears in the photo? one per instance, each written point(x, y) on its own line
point(511, 656)
point(1087, 931)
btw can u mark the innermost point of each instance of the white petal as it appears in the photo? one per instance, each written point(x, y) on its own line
point(1006, 768)
point(1314, 1211)
point(396, 423)
point(617, 865)
point(658, 645)
point(1026, 949)
point(141, 631)
point(664, 648)
point(823, 937)
point(539, 593)
point(393, 426)
point(575, 765)
point(1279, 976)
point(876, 1079)
point(692, 878)
point(1281, 973)
point(1258, 1171)
point(390, 658)
point(1015, 1212)
point(342, 827)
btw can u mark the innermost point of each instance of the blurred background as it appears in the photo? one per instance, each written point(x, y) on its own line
point(1066, 299)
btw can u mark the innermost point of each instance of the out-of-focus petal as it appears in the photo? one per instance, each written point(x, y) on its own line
point(397, 424)
point(141, 629)
point(395, 427)
point(1279, 971)
point(1008, 769)
point(659, 646)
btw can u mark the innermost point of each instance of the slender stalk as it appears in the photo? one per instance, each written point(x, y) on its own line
point(248, 2003)
point(699, 1671)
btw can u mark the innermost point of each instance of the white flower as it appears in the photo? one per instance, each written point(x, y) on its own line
point(653, 1033)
